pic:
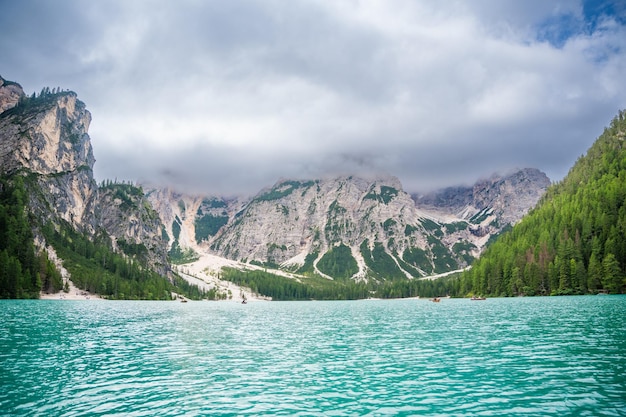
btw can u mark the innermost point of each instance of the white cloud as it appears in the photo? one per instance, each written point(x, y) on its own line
point(233, 95)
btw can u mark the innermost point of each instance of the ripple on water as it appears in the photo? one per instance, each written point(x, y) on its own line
point(550, 356)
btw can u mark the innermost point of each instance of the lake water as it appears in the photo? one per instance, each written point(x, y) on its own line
point(557, 356)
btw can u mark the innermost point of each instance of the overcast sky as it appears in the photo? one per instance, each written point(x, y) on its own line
point(227, 97)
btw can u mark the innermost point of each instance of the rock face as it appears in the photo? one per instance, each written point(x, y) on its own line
point(45, 140)
point(345, 227)
point(295, 224)
point(125, 213)
point(505, 198)
point(10, 94)
point(293, 219)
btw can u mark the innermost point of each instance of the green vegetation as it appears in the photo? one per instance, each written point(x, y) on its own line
point(431, 226)
point(20, 271)
point(179, 256)
point(37, 102)
point(379, 262)
point(388, 226)
point(193, 292)
point(308, 268)
point(409, 230)
point(442, 258)
point(317, 288)
point(386, 194)
point(335, 209)
point(336, 223)
point(212, 203)
point(92, 263)
point(338, 263)
point(49, 276)
point(573, 241)
point(455, 227)
point(283, 189)
point(267, 264)
point(274, 254)
point(481, 216)
point(417, 287)
point(463, 249)
point(208, 225)
point(126, 192)
point(96, 268)
point(132, 249)
point(176, 228)
point(282, 288)
point(418, 258)
point(406, 266)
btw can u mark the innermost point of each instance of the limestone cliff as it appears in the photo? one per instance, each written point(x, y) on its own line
point(10, 94)
point(294, 224)
point(491, 203)
point(134, 226)
point(293, 219)
point(45, 139)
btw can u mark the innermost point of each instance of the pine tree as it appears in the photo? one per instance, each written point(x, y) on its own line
point(612, 279)
point(563, 245)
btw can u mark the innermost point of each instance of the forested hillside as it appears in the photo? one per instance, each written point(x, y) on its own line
point(19, 276)
point(574, 241)
point(92, 262)
point(107, 238)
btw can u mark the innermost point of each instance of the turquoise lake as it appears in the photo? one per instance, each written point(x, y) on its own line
point(552, 356)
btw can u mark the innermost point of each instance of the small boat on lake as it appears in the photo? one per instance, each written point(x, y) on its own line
point(435, 300)
point(475, 298)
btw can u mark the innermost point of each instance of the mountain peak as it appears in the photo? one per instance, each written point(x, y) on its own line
point(10, 94)
point(316, 225)
point(509, 195)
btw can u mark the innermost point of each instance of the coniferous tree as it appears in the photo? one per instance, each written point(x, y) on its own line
point(573, 242)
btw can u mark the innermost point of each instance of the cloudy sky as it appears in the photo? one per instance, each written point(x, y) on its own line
point(228, 96)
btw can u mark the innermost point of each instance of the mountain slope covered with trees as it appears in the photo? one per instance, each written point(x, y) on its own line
point(107, 238)
point(574, 241)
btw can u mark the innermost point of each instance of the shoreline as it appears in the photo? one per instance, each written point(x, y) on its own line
point(74, 293)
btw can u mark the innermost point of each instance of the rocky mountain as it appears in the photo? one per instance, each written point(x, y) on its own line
point(351, 227)
point(492, 203)
point(345, 228)
point(10, 94)
point(44, 139)
point(573, 241)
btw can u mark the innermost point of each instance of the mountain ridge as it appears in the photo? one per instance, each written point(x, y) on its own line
point(344, 228)
point(283, 225)
point(46, 156)
point(572, 242)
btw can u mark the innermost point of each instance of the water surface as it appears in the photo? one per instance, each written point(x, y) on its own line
point(500, 357)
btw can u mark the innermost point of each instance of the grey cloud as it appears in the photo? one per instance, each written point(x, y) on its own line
point(227, 97)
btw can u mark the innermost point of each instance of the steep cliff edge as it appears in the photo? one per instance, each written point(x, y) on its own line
point(44, 139)
point(10, 94)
